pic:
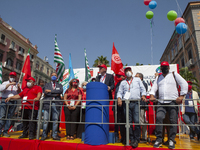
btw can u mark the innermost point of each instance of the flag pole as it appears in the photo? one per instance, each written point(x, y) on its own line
point(20, 77)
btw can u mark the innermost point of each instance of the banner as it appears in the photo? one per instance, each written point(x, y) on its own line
point(148, 72)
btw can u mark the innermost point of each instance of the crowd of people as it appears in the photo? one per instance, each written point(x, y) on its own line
point(165, 93)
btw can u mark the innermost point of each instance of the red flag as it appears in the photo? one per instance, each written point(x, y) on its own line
point(26, 71)
point(116, 63)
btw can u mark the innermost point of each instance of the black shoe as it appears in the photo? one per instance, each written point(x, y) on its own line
point(198, 136)
point(56, 138)
point(171, 145)
point(131, 143)
point(31, 137)
point(166, 143)
point(43, 138)
point(143, 140)
point(157, 144)
point(23, 136)
point(135, 144)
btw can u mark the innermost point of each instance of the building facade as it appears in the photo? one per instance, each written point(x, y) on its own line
point(185, 49)
point(42, 70)
point(13, 51)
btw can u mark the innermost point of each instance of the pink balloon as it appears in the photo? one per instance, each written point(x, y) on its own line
point(146, 2)
point(179, 20)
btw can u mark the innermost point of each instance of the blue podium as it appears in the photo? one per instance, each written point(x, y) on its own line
point(97, 134)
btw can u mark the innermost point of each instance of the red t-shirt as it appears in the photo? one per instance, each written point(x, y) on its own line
point(73, 95)
point(29, 94)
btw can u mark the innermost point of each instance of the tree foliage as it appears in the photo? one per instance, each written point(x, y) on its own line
point(101, 60)
point(188, 76)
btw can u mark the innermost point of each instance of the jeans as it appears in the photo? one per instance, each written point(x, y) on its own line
point(55, 114)
point(4, 107)
point(191, 118)
point(143, 121)
point(134, 117)
point(160, 116)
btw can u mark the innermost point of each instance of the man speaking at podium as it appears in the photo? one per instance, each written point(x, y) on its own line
point(106, 78)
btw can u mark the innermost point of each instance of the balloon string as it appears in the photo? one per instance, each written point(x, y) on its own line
point(151, 31)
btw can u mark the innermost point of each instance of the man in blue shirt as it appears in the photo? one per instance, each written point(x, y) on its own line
point(131, 89)
point(190, 110)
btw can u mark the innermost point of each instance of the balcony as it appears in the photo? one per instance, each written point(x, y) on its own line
point(9, 67)
point(189, 63)
point(17, 71)
point(21, 53)
point(12, 48)
point(3, 42)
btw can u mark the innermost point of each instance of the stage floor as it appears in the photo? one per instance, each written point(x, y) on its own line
point(182, 143)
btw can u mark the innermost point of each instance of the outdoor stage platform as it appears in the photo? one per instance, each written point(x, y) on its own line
point(13, 143)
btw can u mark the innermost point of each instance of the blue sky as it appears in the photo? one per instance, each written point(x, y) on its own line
point(94, 25)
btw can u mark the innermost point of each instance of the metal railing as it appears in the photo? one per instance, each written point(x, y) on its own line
point(127, 124)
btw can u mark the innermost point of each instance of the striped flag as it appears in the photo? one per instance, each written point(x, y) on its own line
point(65, 82)
point(87, 68)
point(0, 76)
point(58, 59)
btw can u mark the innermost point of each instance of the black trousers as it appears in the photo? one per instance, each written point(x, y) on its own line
point(71, 116)
point(160, 116)
point(81, 127)
point(29, 125)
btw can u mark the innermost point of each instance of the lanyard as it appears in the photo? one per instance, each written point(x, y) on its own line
point(102, 80)
point(129, 84)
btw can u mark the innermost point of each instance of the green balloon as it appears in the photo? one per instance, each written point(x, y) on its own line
point(171, 15)
point(149, 14)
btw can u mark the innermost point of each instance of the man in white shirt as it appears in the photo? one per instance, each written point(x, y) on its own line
point(8, 88)
point(166, 85)
point(131, 89)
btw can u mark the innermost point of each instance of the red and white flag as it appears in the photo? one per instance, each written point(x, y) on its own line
point(26, 70)
point(116, 63)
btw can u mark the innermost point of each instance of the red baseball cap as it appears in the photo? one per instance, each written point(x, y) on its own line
point(103, 66)
point(121, 74)
point(127, 68)
point(164, 63)
point(189, 82)
point(13, 74)
point(31, 78)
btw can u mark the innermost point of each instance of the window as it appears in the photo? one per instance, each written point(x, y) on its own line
point(2, 37)
point(19, 66)
point(1, 57)
point(176, 50)
point(47, 71)
point(169, 60)
point(21, 49)
point(180, 45)
point(172, 53)
point(31, 56)
point(37, 65)
point(12, 46)
point(187, 35)
point(9, 62)
point(41, 68)
point(189, 54)
point(182, 62)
